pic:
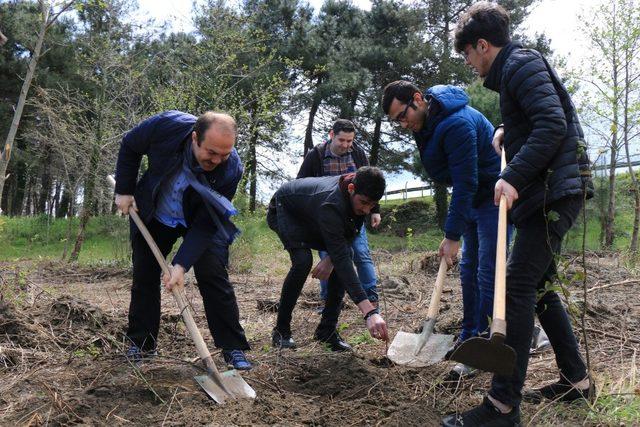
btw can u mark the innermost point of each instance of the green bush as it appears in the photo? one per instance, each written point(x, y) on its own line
point(419, 215)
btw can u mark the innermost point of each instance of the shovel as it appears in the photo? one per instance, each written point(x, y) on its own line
point(220, 387)
point(492, 354)
point(426, 348)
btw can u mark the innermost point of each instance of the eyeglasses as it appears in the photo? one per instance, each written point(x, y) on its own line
point(403, 115)
point(467, 50)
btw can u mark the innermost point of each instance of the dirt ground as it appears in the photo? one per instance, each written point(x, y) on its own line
point(61, 352)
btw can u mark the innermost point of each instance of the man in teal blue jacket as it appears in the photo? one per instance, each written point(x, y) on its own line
point(454, 142)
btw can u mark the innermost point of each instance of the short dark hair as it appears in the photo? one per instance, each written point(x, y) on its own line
point(483, 20)
point(401, 90)
point(208, 118)
point(343, 125)
point(370, 182)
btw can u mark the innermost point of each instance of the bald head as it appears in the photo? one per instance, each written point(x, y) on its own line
point(223, 123)
point(213, 138)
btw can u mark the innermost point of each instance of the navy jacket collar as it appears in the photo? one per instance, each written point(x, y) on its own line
point(492, 81)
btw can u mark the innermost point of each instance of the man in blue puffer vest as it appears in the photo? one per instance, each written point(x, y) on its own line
point(192, 175)
point(454, 142)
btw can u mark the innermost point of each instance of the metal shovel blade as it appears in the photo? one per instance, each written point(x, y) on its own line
point(402, 349)
point(237, 387)
point(490, 355)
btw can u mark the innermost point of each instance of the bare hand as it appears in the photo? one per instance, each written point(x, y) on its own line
point(176, 279)
point(498, 140)
point(503, 188)
point(378, 327)
point(375, 220)
point(323, 270)
point(449, 250)
point(124, 202)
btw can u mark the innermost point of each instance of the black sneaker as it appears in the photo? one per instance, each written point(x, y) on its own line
point(561, 391)
point(485, 415)
point(335, 342)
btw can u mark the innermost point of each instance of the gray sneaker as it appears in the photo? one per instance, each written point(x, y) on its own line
point(539, 341)
point(460, 371)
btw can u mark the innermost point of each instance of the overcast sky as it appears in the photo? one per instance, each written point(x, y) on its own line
point(558, 19)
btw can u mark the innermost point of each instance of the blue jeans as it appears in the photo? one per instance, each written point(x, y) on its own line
point(364, 266)
point(477, 268)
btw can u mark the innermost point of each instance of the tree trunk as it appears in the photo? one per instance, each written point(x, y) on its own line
point(609, 229)
point(308, 135)
point(87, 205)
point(25, 208)
point(253, 167)
point(3, 39)
point(442, 204)
point(54, 206)
point(633, 246)
point(375, 143)
point(70, 214)
point(63, 207)
point(5, 156)
point(45, 187)
point(609, 234)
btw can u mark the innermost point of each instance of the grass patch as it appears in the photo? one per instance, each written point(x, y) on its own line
point(408, 225)
point(617, 403)
point(362, 338)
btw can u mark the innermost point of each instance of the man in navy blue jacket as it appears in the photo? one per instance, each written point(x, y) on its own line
point(189, 159)
point(454, 142)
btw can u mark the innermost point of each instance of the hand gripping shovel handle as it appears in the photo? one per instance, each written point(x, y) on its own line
point(178, 294)
point(434, 307)
point(498, 323)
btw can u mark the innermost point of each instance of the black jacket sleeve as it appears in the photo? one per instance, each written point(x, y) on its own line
point(339, 249)
point(310, 165)
point(529, 83)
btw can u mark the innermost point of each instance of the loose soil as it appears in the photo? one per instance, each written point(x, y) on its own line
point(61, 351)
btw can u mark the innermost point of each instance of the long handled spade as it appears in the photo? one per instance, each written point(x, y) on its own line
point(220, 387)
point(492, 354)
point(426, 348)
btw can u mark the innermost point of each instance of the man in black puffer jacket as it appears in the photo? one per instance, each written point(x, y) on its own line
point(325, 214)
point(545, 183)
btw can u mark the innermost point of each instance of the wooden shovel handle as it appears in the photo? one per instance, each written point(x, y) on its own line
point(177, 292)
point(434, 305)
point(500, 287)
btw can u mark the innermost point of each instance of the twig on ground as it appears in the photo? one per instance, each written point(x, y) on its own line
point(624, 282)
point(607, 334)
point(169, 408)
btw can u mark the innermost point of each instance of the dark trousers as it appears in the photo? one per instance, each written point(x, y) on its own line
point(530, 271)
point(301, 263)
point(221, 308)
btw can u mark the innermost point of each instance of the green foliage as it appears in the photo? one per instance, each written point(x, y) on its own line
point(91, 351)
point(486, 101)
point(418, 215)
point(362, 338)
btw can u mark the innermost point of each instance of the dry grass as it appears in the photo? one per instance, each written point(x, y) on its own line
point(61, 346)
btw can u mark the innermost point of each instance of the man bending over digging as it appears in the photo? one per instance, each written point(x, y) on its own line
point(325, 214)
